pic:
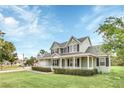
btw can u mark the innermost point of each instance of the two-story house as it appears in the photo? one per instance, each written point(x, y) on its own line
point(76, 54)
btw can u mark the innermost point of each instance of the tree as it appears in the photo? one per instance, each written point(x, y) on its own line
point(1, 47)
point(7, 51)
point(42, 51)
point(31, 61)
point(112, 31)
point(12, 58)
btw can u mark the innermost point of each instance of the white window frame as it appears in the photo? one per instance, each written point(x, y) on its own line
point(102, 59)
point(70, 49)
point(75, 48)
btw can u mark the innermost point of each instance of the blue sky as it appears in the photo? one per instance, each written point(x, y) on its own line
point(32, 28)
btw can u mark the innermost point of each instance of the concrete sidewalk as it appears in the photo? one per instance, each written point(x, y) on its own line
point(22, 69)
point(39, 72)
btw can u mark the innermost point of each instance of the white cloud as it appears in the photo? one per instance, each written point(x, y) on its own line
point(10, 22)
point(29, 25)
point(1, 17)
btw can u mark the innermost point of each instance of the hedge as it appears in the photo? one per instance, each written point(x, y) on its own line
point(79, 72)
point(43, 69)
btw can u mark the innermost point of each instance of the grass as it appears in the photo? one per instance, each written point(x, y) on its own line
point(115, 79)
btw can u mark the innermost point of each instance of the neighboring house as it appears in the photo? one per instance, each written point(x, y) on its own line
point(75, 54)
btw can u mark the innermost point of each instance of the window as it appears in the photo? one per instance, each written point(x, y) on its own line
point(75, 48)
point(97, 62)
point(63, 62)
point(71, 63)
point(55, 62)
point(70, 48)
point(77, 63)
point(78, 47)
point(102, 61)
point(62, 50)
point(68, 63)
point(57, 51)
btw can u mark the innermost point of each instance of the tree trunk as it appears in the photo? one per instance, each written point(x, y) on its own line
point(11, 64)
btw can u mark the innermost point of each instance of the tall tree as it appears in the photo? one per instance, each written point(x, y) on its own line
point(7, 51)
point(31, 61)
point(112, 31)
point(12, 58)
point(42, 51)
point(1, 47)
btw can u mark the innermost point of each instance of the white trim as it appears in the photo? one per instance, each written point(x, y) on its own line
point(73, 62)
point(71, 39)
point(65, 63)
point(88, 62)
point(80, 62)
point(109, 60)
point(92, 62)
point(60, 63)
point(104, 58)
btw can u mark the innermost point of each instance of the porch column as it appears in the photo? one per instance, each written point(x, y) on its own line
point(92, 62)
point(80, 62)
point(60, 63)
point(73, 62)
point(109, 60)
point(87, 62)
point(52, 64)
point(65, 63)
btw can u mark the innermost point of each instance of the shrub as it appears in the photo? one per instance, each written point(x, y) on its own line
point(79, 72)
point(43, 69)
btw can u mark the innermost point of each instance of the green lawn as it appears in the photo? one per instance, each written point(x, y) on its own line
point(35, 80)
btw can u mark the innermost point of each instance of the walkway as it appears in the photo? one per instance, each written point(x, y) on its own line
point(22, 69)
point(41, 72)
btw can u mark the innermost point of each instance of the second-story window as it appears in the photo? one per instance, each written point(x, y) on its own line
point(61, 50)
point(75, 48)
point(70, 48)
point(78, 47)
point(57, 50)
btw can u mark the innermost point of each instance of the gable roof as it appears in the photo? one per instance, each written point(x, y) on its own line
point(54, 43)
point(95, 50)
point(72, 37)
point(64, 43)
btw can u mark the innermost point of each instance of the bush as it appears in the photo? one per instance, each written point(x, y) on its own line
point(79, 72)
point(43, 69)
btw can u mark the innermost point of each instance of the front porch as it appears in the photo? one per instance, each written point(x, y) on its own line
point(86, 62)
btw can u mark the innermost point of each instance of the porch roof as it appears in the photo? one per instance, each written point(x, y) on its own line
point(95, 50)
point(78, 54)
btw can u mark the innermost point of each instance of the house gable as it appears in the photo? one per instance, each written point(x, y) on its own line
point(72, 41)
point(85, 44)
point(55, 45)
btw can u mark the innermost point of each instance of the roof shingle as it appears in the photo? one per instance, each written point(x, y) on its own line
point(95, 50)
